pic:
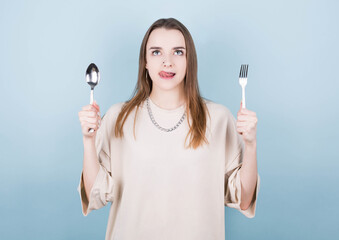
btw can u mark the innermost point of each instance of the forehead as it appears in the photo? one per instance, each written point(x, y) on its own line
point(161, 37)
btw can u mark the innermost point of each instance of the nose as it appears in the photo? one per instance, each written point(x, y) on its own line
point(167, 62)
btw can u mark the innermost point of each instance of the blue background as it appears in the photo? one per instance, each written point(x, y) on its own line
point(292, 51)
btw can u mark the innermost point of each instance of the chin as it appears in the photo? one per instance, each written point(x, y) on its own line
point(162, 84)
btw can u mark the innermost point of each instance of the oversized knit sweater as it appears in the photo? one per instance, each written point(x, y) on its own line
point(158, 189)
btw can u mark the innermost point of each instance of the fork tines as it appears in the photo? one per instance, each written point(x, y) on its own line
point(243, 71)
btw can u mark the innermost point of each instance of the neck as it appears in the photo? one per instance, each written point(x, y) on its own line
point(167, 99)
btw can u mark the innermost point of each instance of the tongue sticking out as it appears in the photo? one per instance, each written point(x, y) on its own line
point(164, 74)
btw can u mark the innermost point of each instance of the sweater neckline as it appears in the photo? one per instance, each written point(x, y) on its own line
point(158, 109)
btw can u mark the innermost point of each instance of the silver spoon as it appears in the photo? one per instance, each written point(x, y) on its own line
point(92, 78)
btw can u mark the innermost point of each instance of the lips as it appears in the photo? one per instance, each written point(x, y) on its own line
point(164, 74)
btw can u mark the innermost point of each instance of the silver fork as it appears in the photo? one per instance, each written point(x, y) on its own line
point(243, 81)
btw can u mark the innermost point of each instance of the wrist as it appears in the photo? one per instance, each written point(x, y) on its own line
point(88, 140)
point(251, 145)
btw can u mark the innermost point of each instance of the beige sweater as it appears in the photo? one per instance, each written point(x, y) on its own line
point(157, 188)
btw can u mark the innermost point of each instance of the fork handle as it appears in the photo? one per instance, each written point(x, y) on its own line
point(243, 97)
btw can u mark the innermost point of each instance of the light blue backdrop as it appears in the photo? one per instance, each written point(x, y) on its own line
point(292, 51)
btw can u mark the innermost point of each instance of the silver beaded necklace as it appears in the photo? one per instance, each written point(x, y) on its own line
point(157, 125)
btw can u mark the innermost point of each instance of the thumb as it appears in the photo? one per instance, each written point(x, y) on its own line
point(96, 105)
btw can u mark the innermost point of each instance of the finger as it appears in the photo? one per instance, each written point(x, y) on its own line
point(249, 113)
point(89, 119)
point(93, 114)
point(241, 124)
point(89, 125)
point(241, 129)
point(247, 125)
point(99, 120)
point(88, 107)
point(246, 118)
point(89, 114)
point(96, 105)
point(92, 111)
point(246, 111)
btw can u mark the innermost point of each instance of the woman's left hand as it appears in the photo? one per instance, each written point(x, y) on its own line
point(247, 125)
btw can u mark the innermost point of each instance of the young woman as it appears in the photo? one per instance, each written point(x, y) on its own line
point(168, 160)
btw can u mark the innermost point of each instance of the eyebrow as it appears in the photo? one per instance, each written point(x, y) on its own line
point(175, 48)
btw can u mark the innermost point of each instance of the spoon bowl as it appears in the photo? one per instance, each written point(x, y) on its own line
point(92, 75)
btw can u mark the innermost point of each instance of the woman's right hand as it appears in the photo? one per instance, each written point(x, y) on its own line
point(89, 118)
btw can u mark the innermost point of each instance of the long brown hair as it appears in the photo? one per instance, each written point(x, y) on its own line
point(195, 106)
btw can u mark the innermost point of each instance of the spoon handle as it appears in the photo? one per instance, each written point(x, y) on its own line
point(91, 102)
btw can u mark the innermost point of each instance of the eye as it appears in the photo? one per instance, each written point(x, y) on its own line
point(154, 52)
point(180, 52)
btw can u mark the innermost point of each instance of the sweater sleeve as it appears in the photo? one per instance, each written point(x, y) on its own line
point(102, 190)
point(234, 158)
